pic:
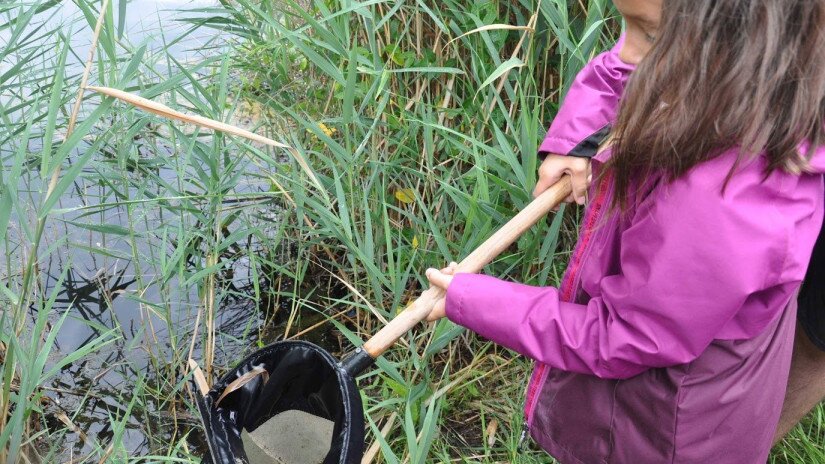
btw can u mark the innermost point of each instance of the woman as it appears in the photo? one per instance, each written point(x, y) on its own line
point(670, 337)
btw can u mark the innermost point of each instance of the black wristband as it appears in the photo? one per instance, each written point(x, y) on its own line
point(588, 147)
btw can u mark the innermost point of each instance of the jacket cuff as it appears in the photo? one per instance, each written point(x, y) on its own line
point(485, 305)
point(590, 107)
point(455, 297)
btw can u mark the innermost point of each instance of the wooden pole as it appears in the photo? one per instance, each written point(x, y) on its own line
point(419, 309)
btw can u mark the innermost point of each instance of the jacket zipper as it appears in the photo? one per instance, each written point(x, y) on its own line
point(569, 286)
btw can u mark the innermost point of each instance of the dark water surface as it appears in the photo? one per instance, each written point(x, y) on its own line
point(111, 256)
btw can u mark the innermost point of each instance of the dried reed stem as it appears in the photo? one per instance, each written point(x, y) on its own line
point(166, 112)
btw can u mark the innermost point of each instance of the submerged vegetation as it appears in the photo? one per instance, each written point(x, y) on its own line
point(131, 243)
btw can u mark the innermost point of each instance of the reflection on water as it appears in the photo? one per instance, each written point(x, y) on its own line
point(112, 282)
point(110, 261)
point(152, 21)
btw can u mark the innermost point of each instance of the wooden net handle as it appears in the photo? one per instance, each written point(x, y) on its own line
point(419, 309)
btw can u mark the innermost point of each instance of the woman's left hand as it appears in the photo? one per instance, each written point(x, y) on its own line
point(440, 279)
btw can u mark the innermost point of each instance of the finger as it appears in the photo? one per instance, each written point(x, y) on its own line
point(546, 181)
point(450, 269)
point(549, 174)
point(580, 185)
point(541, 186)
point(439, 310)
point(438, 279)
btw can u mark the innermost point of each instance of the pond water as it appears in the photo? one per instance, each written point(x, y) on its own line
point(111, 289)
point(153, 21)
point(112, 256)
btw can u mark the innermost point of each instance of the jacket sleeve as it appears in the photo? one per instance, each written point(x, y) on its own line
point(688, 262)
point(590, 106)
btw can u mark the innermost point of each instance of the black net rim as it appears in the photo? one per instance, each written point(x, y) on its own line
point(220, 422)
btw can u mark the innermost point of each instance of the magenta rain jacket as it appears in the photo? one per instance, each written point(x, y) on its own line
point(670, 338)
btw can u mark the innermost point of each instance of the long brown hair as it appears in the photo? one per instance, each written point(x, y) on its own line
point(723, 74)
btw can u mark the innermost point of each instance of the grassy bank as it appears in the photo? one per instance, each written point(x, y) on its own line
point(421, 122)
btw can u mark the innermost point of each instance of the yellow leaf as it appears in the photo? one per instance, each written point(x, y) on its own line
point(415, 242)
point(327, 130)
point(405, 196)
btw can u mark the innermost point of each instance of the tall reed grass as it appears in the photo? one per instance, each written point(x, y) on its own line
point(422, 120)
point(118, 232)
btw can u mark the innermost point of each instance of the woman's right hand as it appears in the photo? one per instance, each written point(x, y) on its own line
point(555, 166)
